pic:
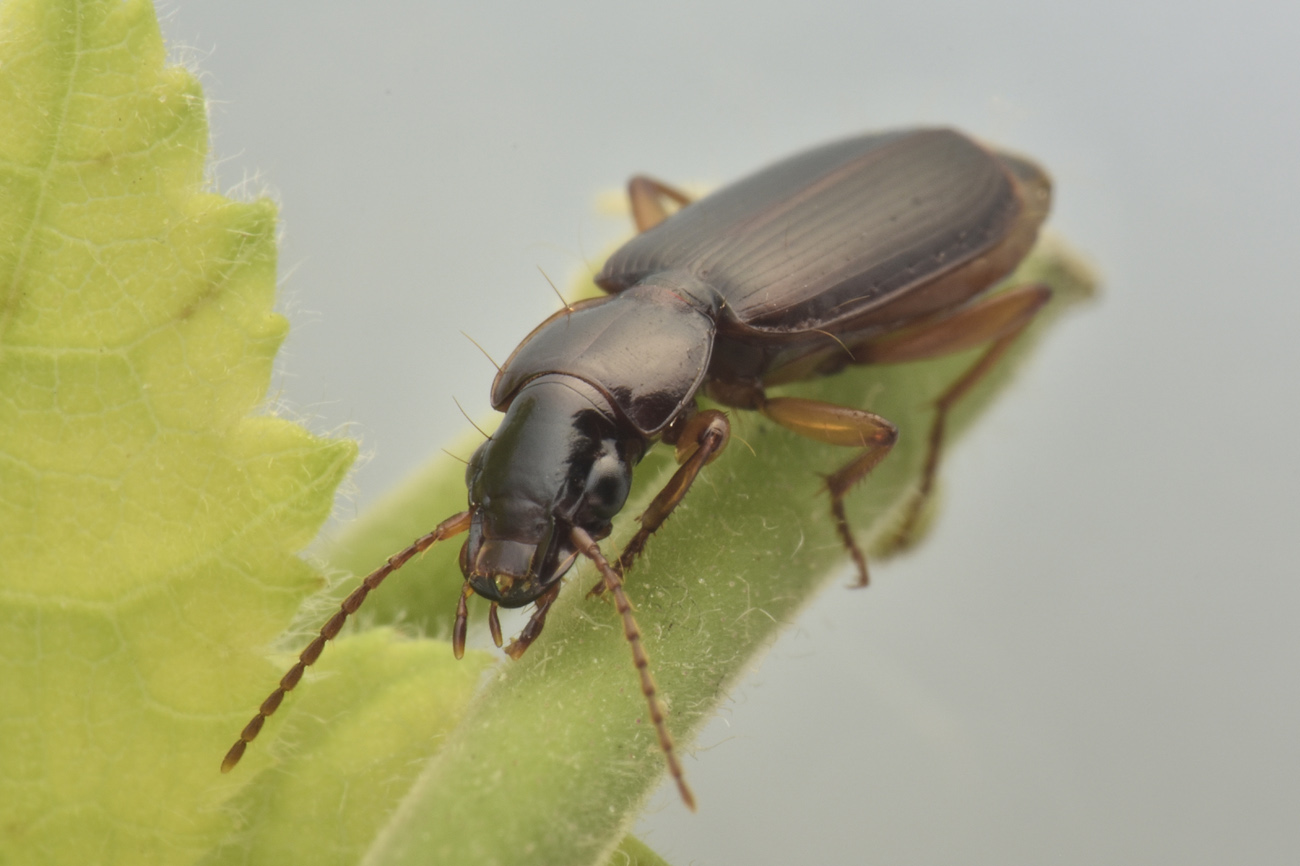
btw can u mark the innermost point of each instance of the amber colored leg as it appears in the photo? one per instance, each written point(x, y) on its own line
point(703, 439)
point(997, 321)
point(838, 425)
point(533, 628)
point(978, 324)
point(647, 197)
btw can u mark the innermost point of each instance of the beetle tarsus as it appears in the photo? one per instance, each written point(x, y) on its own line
point(532, 630)
point(850, 543)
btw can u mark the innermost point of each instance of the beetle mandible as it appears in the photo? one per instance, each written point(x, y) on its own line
point(872, 250)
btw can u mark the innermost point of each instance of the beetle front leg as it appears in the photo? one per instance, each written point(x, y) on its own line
point(838, 425)
point(533, 628)
point(647, 198)
point(702, 439)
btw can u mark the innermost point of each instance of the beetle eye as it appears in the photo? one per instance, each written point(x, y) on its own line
point(607, 487)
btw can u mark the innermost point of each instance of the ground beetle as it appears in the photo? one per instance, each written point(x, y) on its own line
point(871, 250)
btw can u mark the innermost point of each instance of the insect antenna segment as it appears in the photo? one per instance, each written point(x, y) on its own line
point(585, 545)
point(451, 526)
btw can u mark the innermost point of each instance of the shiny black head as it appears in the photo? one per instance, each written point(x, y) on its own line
point(558, 460)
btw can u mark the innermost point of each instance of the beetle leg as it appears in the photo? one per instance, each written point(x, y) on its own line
point(1002, 315)
point(995, 321)
point(647, 197)
point(702, 439)
point(838, 425)
point(533, 628)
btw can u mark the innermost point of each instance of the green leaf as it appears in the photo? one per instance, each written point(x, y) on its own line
point(356, 740)
point(149, 522)
point(633, 852)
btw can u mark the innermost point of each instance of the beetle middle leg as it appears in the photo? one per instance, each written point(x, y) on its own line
point(837, 425)
point(995, 321)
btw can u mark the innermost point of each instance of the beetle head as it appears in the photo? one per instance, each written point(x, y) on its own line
point(559, 459)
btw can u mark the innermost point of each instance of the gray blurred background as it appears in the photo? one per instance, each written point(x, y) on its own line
point(1095, 657)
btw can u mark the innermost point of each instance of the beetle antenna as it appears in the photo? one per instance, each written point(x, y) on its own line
point(453, 525)
point(558, 293)
point(584, 543)
point(481, 349)
point(469, 419)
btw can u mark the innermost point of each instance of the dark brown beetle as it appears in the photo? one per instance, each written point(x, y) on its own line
point(871, 250)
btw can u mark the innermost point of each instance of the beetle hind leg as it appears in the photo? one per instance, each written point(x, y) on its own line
point(995, 322)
